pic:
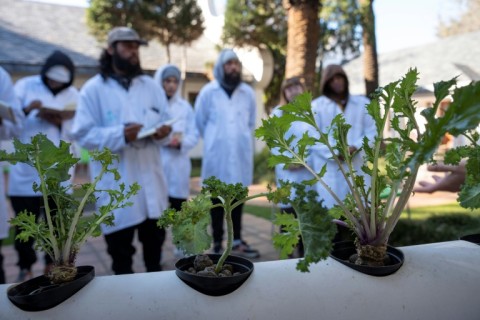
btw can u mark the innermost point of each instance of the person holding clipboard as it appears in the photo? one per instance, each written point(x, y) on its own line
point(113, 108)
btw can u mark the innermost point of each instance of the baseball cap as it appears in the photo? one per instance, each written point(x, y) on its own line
point(58, 73)
point(124, 34)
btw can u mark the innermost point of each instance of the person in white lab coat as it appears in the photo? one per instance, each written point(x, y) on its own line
point(336, 99)
point(225, 116)
point(177, 165)
point(53, 89)
point(291, 88)
point(113, 107)
point(8, 128)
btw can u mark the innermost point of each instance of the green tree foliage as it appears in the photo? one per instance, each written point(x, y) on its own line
point(340, 30)
point(169, 21)
point(103, 15)
point(468, 21)
point(256, 22)
point(175, 22)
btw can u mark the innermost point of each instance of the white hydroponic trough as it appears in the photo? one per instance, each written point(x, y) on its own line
point(437, 281)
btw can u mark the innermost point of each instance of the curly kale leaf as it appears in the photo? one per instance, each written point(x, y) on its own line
point(228, 192)
point(469, 195)
point(313, 224)
point(190, 224)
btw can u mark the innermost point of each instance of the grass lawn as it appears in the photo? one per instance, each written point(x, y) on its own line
point(264, 212)
point(421, 213)
point(425, 225)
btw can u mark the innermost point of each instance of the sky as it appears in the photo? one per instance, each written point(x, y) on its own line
point(408, 23)
point(399, 23)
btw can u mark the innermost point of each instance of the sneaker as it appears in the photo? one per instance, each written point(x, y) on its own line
point(24, 275)
point(244, 250)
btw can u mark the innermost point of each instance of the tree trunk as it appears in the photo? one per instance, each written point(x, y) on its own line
point(167, 49)
point(370, 59)
point(302, 40)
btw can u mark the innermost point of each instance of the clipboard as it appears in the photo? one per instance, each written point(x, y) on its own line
point(6, 112)
point(150, 131)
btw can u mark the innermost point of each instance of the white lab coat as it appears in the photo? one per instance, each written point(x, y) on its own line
point(7, 130)
point(298, 175)
point(28, 89)
point(177, 165)
point(103, 110)
point(362, 124)
point(226, 124)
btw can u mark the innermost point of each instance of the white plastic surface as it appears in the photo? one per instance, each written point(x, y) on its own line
point(437, 281)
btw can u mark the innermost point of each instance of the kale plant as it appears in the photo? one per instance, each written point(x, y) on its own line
point(65, 229)
point(370, 216)
point(190, 224)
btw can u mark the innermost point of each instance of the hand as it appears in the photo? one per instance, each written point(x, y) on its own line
point(174, 143)
point(54, 119)
point(452, 181)
point(35, 104)
point(176, 140)
point(130, 131)
point(162, 132)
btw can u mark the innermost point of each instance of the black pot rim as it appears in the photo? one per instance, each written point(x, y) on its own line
point(215, 286)
point(474, 238)
point(21, 294)
point(344, 249)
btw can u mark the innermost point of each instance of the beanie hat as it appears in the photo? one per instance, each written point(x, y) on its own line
point(171, 71)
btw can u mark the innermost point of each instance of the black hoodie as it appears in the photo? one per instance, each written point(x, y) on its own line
point(55, 59)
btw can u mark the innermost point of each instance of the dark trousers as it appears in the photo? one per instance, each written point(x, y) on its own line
point(2, 273)
point(26, 254)
point(121, 249)
point(218, 218)
point(176, 203)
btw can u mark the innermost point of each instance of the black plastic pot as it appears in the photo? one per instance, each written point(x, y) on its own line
point(39, 294)
point(213, 286)
point(475, 238)
point(343, 250)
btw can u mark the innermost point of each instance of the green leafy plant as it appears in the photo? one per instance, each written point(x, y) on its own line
point(313, 224)
point(366, 210)
point(469, 195)
point(65, 229)
point(190, 224)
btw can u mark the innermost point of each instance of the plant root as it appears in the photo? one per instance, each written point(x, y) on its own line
point(371, 255)
point(62, 274)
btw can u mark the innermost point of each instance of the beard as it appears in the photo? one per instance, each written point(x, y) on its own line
point(130, 69)
point(232, 80)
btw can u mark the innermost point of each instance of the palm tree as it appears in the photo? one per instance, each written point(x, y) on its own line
point(370, 59)
point(302, 39)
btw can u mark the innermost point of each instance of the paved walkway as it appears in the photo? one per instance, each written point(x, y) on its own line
point(256, 231)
